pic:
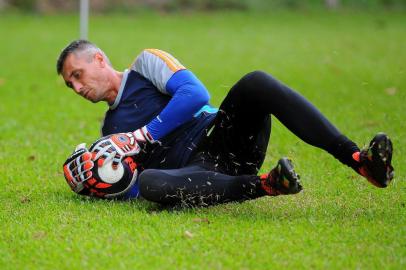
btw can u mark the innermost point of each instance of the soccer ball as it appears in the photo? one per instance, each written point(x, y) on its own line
point(107, 182)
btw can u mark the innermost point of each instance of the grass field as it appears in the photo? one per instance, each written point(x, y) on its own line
point(351, 65)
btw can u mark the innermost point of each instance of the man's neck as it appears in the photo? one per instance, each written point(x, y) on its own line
point(115, 86)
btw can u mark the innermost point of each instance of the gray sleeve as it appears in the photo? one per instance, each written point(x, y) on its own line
point(157, 66)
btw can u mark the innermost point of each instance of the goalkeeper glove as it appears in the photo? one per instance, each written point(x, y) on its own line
point(120, 145)
point(77, 168)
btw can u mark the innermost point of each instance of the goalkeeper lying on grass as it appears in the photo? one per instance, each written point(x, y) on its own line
point(187, 152)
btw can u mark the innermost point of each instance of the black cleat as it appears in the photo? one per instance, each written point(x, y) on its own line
point(282, 179)
point(376, 161)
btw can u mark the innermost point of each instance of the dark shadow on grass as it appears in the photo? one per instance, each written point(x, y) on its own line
point(148, 206)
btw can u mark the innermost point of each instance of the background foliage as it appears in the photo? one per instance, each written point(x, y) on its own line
point(105, 6)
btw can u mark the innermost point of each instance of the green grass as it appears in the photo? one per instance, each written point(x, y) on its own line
point(351, 65)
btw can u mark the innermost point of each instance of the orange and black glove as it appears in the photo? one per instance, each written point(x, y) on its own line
point(77, 168)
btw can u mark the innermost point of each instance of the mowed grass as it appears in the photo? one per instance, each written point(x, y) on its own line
point(351, 65)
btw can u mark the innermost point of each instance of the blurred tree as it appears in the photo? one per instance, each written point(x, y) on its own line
point(51, 6)
point(26, 5)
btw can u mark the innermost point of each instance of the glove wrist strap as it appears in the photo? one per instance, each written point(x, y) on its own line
point(143, 135)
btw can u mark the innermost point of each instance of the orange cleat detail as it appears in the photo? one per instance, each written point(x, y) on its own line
point(281, 180)
point(266, 184)
point(376, 161)
point(356, 157)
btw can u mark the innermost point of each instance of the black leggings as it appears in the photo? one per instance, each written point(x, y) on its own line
point(233, 149)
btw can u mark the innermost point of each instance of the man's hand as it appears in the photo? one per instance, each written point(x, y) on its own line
point(118, 146)
point(77, 168)
point(110, 149)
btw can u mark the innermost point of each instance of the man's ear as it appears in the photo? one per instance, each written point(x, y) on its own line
point(98, 57)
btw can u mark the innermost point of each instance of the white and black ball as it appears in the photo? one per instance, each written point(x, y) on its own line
point(107, 182)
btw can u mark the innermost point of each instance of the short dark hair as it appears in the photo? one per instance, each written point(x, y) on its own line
point(76, 45)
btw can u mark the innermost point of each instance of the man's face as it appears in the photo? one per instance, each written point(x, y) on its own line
point(86, 75)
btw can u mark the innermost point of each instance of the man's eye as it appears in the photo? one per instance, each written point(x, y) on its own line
point(69, 84)
point(76, 75)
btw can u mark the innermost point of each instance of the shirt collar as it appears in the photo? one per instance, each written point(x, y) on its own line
point(120, 91)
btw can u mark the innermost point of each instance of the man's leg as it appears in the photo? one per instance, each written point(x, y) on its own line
point(196, 185)
point(237, 142)
point(257, 95)
point(201, 184)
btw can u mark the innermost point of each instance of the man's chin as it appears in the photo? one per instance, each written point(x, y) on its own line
point(92, 100)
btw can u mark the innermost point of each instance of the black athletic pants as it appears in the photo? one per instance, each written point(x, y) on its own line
point(228, 158)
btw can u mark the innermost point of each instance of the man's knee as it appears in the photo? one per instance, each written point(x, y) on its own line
point(151, 183)
point(255, 80)
point(257, 75)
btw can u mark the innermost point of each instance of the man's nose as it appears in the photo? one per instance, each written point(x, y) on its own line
point(77, 86)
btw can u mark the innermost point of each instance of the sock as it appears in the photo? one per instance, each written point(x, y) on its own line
point(345, 151)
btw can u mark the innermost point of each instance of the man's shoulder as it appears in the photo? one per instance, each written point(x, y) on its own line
point(155, 57)
point(157, 66)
